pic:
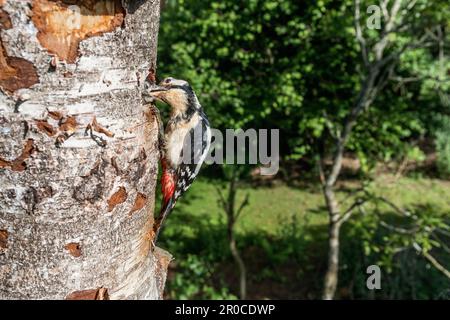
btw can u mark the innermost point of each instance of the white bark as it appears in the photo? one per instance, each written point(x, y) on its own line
point(77, 168)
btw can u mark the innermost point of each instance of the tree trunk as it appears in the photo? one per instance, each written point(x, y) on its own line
point(78, 150)
point(232, 217)
point(240, 263)
point(331, 276)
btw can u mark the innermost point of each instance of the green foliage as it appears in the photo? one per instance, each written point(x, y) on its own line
point(193, 281)
point(443, 146)
point(284, 247)
point(403, 267)
point(296, 66)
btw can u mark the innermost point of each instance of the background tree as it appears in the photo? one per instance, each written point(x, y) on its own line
point(298, 66)
point(77, 167)
point(380, 55)
point(232, 211)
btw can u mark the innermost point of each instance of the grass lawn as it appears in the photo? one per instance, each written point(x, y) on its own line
point(285, 262)
point(270, 205)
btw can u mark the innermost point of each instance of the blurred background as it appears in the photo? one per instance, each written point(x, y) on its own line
point(360, 93)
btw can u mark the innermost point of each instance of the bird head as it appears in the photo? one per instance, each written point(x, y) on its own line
point(176, 93)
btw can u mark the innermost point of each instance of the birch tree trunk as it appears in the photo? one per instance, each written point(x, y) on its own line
point(78, 150)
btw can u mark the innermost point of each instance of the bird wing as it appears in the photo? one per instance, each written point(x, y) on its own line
point(195, 147)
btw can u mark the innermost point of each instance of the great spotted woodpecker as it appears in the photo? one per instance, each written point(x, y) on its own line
point(184, 144)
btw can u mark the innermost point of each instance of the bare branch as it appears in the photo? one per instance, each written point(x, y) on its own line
point(363, 101)
point(432, 260)
point(349, 212)
point(421, 43)
point(384, 10)
point(242, 206)
point(393, 206)
point(351, 194)
point(321, 170)
point(221, 200)
point(441, 243)
point(377, 77)
point(359, 34)
point(411, 4)
point(379, 47)
point(396, 229)
point(334, 132)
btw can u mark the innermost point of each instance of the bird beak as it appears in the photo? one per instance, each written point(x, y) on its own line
point(153, 93)
point(155, 89)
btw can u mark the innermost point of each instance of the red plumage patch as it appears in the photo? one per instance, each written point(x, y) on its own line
point(167, 185)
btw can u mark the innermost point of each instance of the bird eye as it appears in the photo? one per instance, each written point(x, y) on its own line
point(168, 80)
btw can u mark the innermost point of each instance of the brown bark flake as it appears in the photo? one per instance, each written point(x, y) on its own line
point(45, 127)
point(74, 249)
point(61, 28)
point(3, 240)
point(120, 196)
point(96, 127)
point(5, 21)
point(16, 73)
point(69, 125)
point(56, 115)
point(93, 294)
point(19, 164)
point(139, 202)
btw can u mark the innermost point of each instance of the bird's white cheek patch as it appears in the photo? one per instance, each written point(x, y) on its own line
point(177, 99)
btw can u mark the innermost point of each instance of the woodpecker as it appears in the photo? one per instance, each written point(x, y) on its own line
point(184, 143)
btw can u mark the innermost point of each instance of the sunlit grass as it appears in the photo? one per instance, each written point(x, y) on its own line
point(269, 206)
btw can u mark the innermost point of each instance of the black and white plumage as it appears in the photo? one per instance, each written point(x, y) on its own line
point(185, 142)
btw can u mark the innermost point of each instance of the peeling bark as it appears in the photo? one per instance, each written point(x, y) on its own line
point(139, 202)
point(93, 294)
point(15, 73)
point(74, 249)
point(19, 164)
point(5, 21)
point(3, 240)
point(120, 196)
point(63, 25)
point(77, 169)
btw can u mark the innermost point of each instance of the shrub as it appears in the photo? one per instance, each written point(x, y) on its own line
point(443, 146)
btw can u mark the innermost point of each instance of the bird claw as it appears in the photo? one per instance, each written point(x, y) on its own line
point(152, 245)
point(155, 111)
point(151, 238)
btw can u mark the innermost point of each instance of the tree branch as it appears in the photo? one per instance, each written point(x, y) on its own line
point(379, 47)
point(242, 206)
point(359, 33)
point(349, 212)
point(441, 243)
point(221, 200)
point(432, 260)
point(395, 207)
point(397, 229)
